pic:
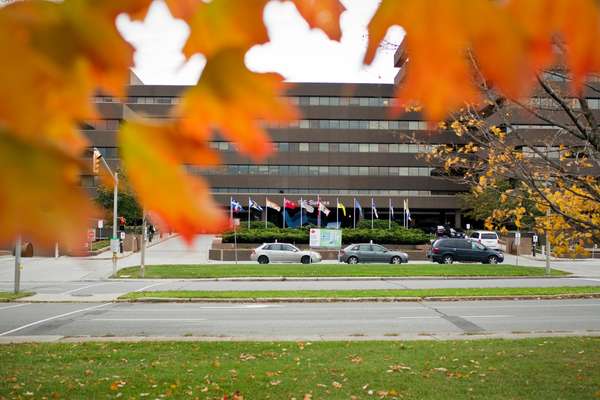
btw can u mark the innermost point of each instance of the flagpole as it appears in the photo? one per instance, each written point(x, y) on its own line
point(266, 211)
point(404, 214)
point(283, 213)
point(354, 214)
point(249, 208)
point(231, 209)
point(389, 213)
point(301, 212)
point(371, 213)
point(337, 212)
point(319, 211)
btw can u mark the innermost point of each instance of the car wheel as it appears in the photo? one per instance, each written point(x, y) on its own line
point(396, 260)
point(492, 260)
point(448, 259)
point(352, 260)
point(305, 260)
point(263, 260)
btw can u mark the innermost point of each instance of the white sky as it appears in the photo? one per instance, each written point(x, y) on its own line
point(295, 51)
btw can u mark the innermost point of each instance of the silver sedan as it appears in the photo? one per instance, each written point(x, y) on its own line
point(283, 252)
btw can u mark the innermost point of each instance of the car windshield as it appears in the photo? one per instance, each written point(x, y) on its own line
point(378, 248)
point(489, 236)
point(477, 246)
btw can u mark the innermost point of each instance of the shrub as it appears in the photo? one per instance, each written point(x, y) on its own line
point(300, 236)
point(377, 224)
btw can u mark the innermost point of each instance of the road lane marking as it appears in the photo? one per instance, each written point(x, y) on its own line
point(53, 318)
point(147, 319)
point(149, 286)
point(485, 316)
point(17, 305)
point(84, 287)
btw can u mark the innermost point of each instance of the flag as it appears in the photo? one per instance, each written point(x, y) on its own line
point(323, 209)
point(357, 205)
point(255, 205)
point(289, 204)
point(407, 211)
point(272, 205)
point(307, 206)
point(374, 209)
point(236, 206)
point(340, 205)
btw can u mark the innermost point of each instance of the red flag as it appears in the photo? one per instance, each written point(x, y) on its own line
point(290, 204)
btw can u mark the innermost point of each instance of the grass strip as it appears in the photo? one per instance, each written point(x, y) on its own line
point(329, 270)
point(550, 368)
point(100, 244)
point(9, 296)
point(340, 294)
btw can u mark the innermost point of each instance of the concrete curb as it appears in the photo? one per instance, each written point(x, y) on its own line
point(8, 340)
point(355, 299)
point(343, 278)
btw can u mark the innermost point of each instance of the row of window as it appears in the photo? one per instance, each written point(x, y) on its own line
point(337, 147)
point(312, 170)
point(340, 192)
point(550, 104)
point(297, 100)
point(349, 124)
point(113, 124)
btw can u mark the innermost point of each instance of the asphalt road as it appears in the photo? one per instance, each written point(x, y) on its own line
point(298, 321)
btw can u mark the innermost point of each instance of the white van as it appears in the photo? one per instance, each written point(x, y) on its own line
point(486, 238)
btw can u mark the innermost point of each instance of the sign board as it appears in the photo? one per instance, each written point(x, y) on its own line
point(517, 238)
point(535, 238)
point(326, 238)
point(91, 235)
point(100, 223)
point(468, 226)
point(114, 245)
point(236, 222)
point(122, 235)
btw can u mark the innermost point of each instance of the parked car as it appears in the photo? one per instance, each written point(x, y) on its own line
point(487, 238)
point(283, 252)
point(446, 251)
point(367, 252)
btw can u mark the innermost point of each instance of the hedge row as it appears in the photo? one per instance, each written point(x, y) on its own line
point(300, 236)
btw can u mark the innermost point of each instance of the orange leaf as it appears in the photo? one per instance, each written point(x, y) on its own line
point(224, 24)
point(158, 178)
point(234, 100)
point(324, 14)
point(40, 195)
point(438, 75)
point(183, 9)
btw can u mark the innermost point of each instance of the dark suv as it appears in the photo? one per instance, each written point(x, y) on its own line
point(446, 251)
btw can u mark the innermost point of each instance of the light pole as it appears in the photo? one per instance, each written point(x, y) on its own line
point(114, 241)
point(18, 264)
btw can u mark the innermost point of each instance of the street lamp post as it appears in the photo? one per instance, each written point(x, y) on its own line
point(18, 264)
point(114, 240)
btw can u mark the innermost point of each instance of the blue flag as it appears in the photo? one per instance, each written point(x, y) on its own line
point(255, 205)
point(236, 206)
point(357, 205)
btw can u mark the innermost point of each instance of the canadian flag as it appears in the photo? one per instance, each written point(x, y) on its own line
point(290, 204)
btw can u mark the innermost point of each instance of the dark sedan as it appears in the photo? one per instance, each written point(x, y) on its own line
point(358, 253)
point(446, 251)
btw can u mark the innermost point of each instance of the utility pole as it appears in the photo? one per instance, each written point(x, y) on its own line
point(548, 246)
point(18, 265)
point(143, 246)
point(114, 241)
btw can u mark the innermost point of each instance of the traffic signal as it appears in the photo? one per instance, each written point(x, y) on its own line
point(96, 161)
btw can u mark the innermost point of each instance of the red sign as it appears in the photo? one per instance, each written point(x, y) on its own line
point(91, 235)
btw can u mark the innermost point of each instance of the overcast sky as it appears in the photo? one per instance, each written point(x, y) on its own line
point(295, 51)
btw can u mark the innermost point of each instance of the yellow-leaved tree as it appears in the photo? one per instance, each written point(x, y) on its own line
point(56, 55)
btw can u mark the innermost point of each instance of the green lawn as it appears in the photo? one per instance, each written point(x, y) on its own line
point(8, 296)
point(329, 270)
point(100, 244)
point(274, 294)
point(551, 368)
